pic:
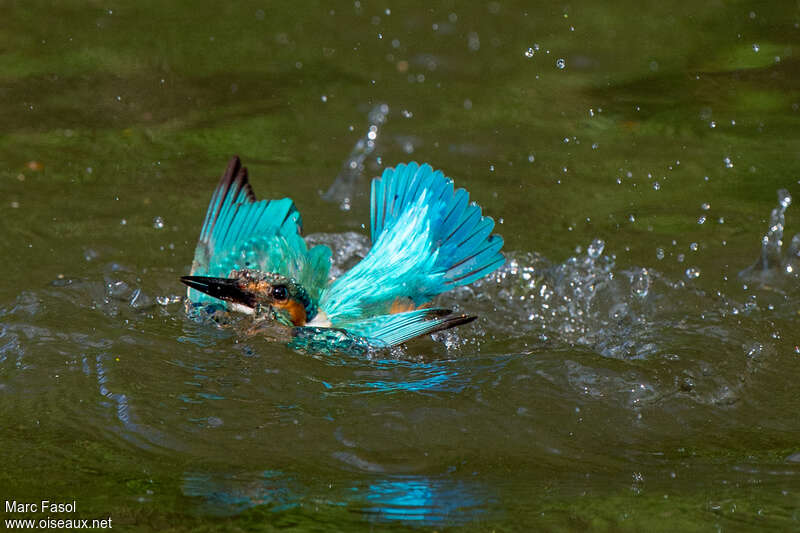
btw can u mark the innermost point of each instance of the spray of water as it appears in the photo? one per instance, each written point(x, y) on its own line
point(773, 262)
point(349, 179)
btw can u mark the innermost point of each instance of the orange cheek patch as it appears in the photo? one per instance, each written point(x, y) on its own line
point(297, 313)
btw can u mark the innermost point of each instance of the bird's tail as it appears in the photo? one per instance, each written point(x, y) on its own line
point(427, 238)
point(377, 332)
point(391, 330)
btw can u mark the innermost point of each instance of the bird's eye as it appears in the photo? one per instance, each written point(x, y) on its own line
point(280, 293)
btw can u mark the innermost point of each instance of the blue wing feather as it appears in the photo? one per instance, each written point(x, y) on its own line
point(481, 263)
point(389, 330)
point(427, 238)
point(386, 331)
point(240, 232)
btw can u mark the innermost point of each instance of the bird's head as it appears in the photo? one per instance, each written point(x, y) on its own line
point(258, 292)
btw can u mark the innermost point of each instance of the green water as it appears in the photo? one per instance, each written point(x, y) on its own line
point(623, 374)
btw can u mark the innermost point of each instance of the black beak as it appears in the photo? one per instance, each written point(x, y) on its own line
point(223, 288)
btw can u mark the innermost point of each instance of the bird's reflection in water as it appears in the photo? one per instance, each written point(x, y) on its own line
point(232, 493)
point(411, 499)
point(426, 500)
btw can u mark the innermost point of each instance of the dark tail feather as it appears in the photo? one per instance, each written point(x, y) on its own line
point(390, 330)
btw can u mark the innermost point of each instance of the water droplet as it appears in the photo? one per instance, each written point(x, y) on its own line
point(640, 283)
point(406, 113)
point(473, 41)
point(618, 311)
point(659, 253)
point(140, 300)
point(167, 300)
point(693, 246)
point(756, 48)
point(529, 52)
point(656, 186)
point(701, 220)
point(158, 223)
point(531, 158)
point(323, 98)
point(631, 218)
point(784, 198)
point(705, 206)
point(712, 124)
point(119, 290)
point(595, 248)
point(692, 273)
point(728, 162)
point(561, 63)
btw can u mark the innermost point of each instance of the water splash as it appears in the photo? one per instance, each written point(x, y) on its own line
point(348, 180)
point(640, 282)
point(347, 249)
point(773, 262)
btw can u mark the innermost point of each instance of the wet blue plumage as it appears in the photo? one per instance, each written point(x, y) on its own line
point(240, 232)
point(427, 239)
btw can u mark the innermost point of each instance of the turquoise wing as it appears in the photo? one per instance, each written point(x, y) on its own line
point(378, 332)
point(427, 239)
point(240, 232)
point(390, 330)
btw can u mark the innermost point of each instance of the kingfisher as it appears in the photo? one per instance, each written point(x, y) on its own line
point(427, 238)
